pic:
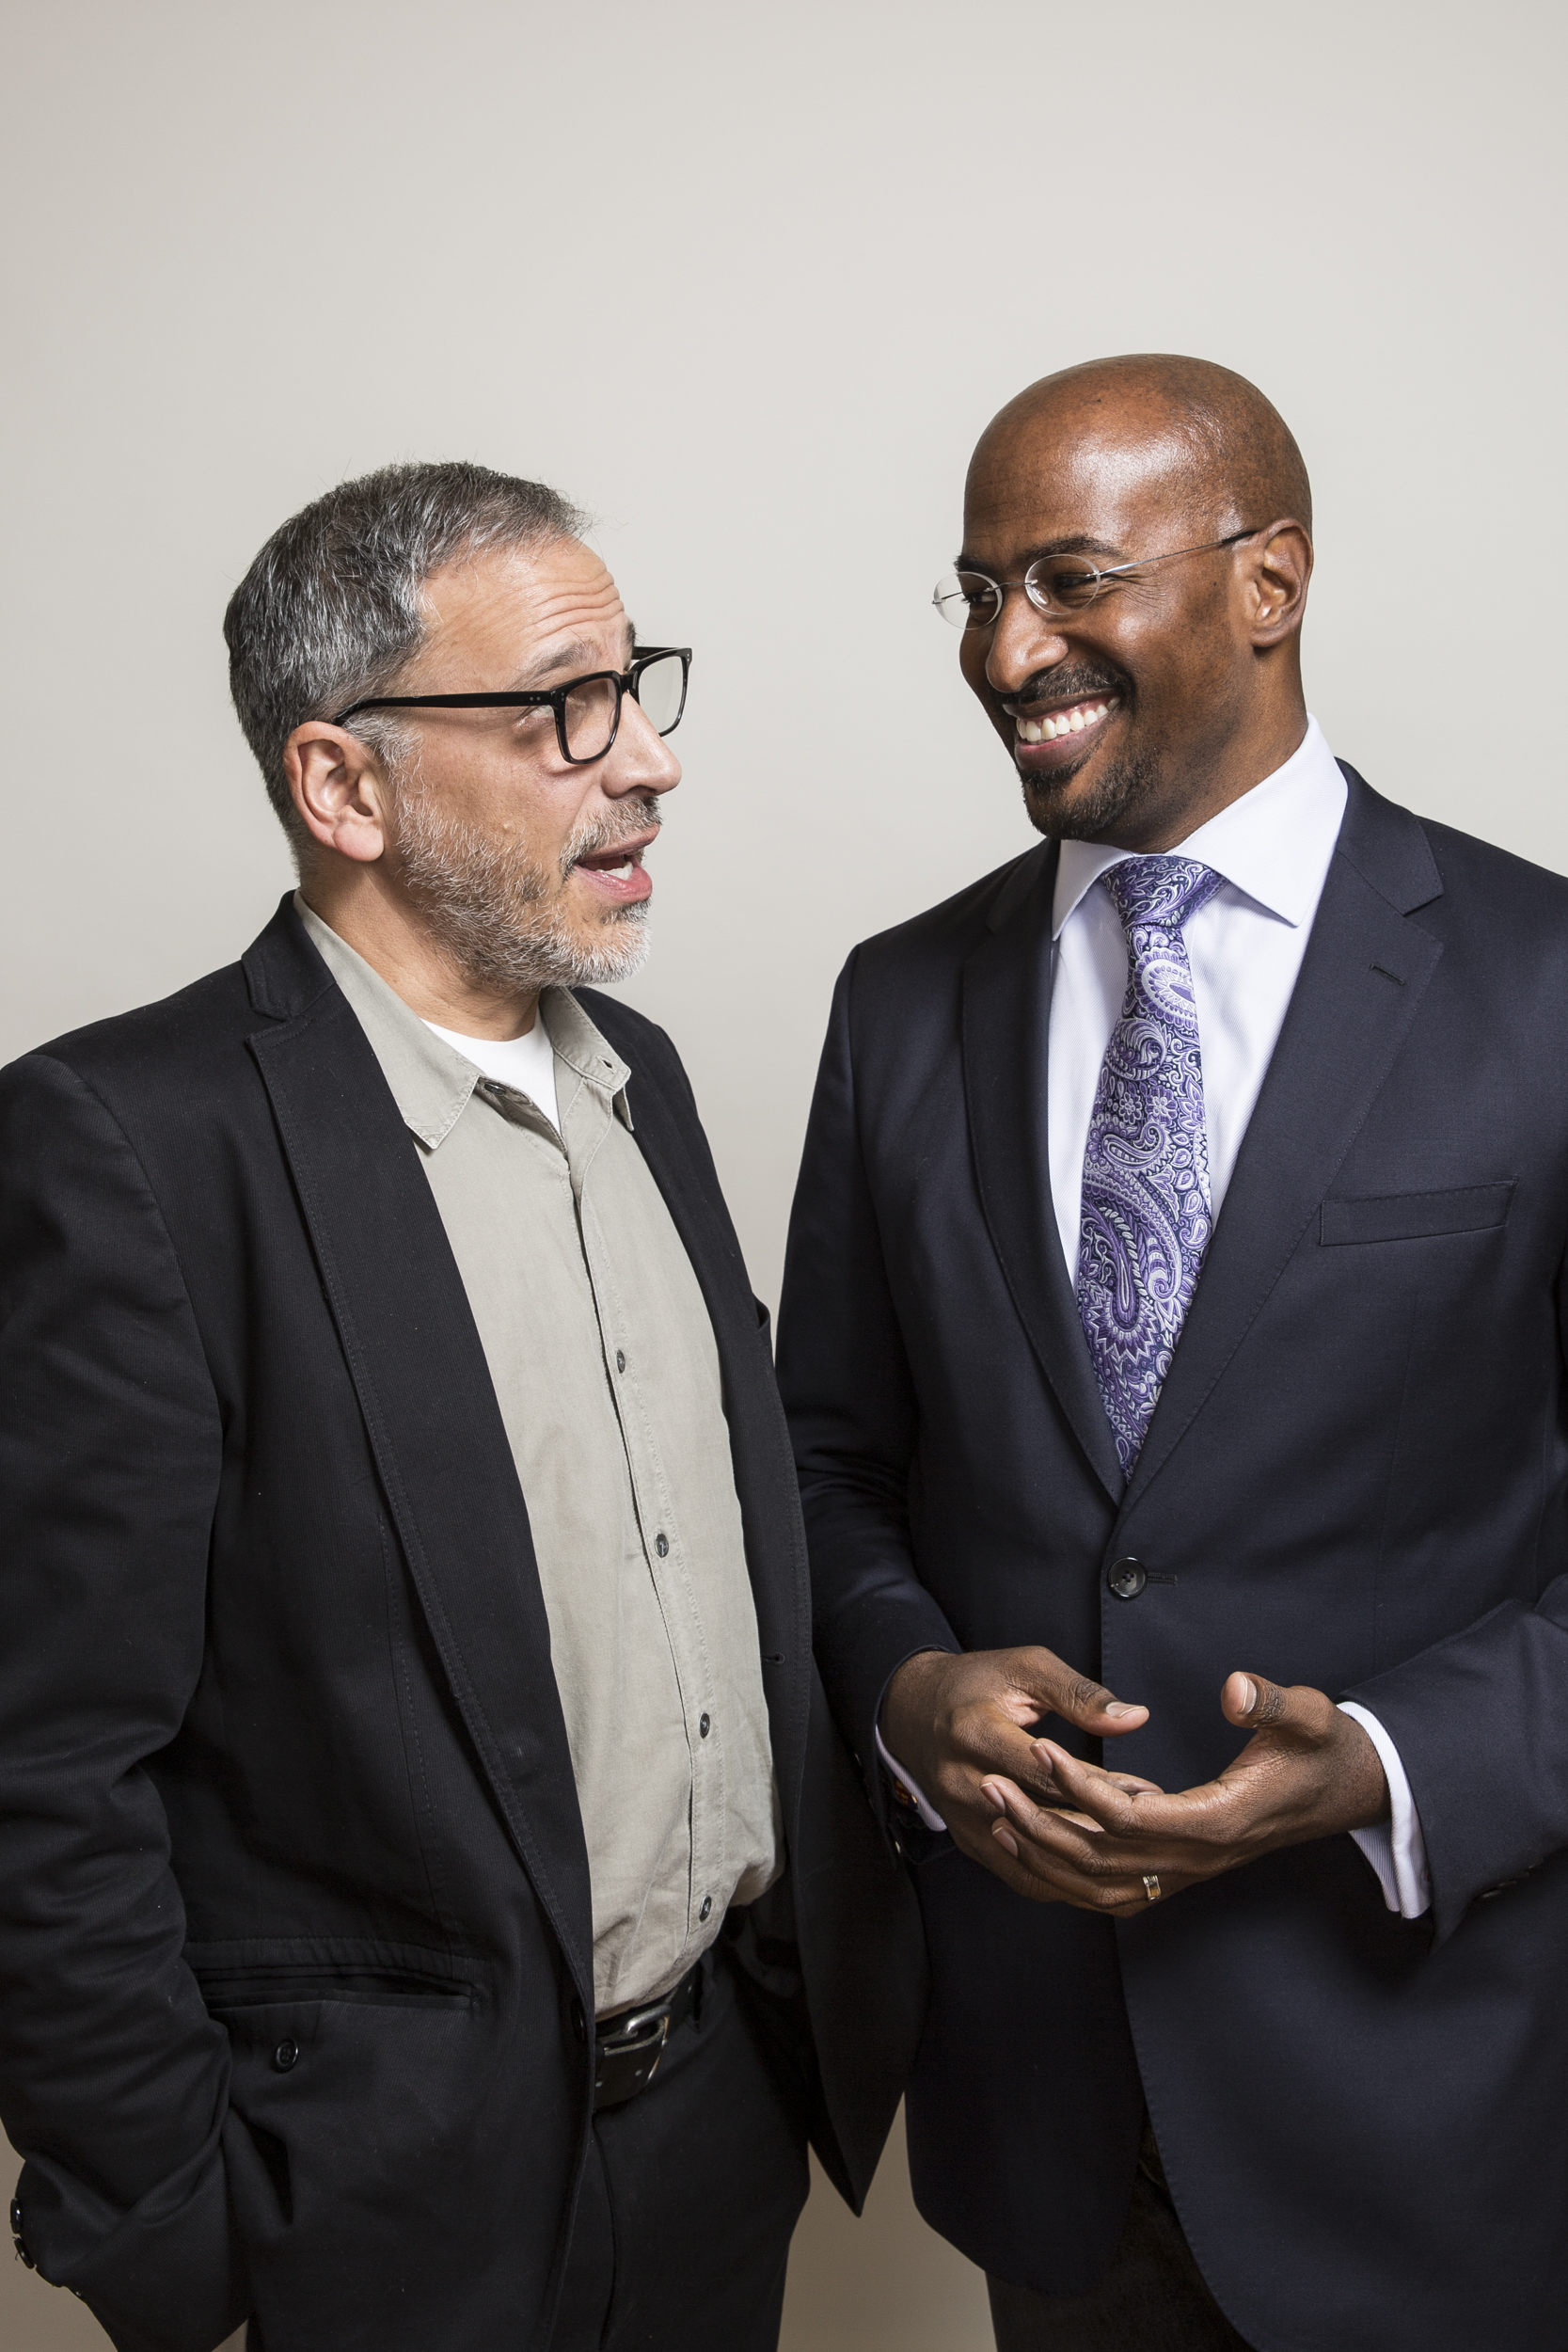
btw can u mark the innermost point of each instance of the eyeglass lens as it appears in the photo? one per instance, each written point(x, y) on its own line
point(1058, 583)
point(591, 707)
point(589, 716)
point(660, 690)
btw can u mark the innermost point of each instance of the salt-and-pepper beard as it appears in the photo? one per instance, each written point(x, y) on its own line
point(502, 918)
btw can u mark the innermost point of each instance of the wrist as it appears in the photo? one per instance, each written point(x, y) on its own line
point(906, 1714)
point(1365, 1785)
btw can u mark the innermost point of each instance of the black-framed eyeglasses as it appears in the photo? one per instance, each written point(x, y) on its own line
point(587, 709)
point(1054, 584)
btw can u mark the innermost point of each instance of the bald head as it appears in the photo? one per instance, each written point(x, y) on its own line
point(1174, 684)
point(1227, 455)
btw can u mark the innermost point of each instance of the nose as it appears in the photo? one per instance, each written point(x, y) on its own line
point(640, 759)
point(1021, 642)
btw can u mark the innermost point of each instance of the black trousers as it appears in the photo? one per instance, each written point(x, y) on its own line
point(1153, 2297)
point(690, 2197)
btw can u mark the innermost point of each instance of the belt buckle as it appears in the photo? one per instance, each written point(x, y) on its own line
point(627, 2061)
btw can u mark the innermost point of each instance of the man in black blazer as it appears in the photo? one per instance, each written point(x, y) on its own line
point(1174, 1311)
point(435, 1905)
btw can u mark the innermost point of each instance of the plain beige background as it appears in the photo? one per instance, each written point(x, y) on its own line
point(746, 282)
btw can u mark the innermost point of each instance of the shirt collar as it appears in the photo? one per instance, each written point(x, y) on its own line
point(432, 1082)
point(1272, 844)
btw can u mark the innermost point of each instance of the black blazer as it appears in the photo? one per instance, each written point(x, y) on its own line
point(294, 1920)
point(1355, 1478)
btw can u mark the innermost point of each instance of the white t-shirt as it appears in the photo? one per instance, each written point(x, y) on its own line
point(526, 1063)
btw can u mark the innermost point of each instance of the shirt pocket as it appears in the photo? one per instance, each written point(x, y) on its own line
point(1414, 1215)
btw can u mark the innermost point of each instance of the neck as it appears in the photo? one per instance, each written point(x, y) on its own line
point(396, 941)
point(1211, 781)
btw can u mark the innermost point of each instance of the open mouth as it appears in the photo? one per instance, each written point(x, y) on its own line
point(618, 873)
point(1079, 718)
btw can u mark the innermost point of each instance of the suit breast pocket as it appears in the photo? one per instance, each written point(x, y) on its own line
point(1414, 1215)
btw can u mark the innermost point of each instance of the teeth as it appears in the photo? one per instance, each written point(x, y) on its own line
point(1066, 723)
point(617, 873)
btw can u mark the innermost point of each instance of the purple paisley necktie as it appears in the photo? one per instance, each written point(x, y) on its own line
point(1145, 1221)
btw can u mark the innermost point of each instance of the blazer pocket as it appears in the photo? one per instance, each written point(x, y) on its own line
point(1414, 1215)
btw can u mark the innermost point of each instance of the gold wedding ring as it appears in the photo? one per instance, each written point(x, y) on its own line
point(1152, 1885)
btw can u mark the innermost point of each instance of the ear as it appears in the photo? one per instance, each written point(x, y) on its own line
point(338, 789)
point(1277, 565)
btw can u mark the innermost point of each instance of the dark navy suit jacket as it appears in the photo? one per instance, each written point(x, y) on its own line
point(1355, 1478)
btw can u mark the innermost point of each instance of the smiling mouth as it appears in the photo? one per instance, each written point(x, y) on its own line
point(1079, 718)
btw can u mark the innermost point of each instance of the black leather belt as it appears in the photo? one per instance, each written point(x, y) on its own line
point(628, 2048)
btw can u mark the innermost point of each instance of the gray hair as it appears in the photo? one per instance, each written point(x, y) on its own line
point(331, 609)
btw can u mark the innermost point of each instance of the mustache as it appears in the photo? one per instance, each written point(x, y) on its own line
point(607, 832)
point(1073, 682)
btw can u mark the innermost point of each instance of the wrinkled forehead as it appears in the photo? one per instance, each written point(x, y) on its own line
point(1075, 476)
point(527, 602)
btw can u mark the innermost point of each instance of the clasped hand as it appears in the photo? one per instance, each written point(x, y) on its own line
point(1058, 1830)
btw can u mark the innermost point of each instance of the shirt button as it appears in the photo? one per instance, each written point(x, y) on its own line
point(285, 2054)
point(620, 1361)
point(702, 1728)
point(661, 1545)
point(1127, 1578)
point(707, 1906)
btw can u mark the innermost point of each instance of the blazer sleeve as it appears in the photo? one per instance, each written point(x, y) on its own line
point(1481, 1725)
point(850, 1398)
point(112, 2077)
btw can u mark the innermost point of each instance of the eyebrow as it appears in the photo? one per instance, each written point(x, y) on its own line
point(572, 655)
point(1075, 543)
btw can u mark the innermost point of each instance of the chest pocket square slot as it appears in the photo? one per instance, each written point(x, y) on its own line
point(1415, 1215)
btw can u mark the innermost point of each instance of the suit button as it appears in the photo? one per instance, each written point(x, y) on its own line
point(1127, 1578)
point(661, 1545)
point(285, 2054)
point(705, 1728)
point(707, 1906)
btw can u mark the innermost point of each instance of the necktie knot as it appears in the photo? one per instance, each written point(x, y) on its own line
point(1160, 893)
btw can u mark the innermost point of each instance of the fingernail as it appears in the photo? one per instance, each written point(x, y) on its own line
point(993, 1797)
point(1118, 1707)
point(1004, 1836)
point(1251, 1699)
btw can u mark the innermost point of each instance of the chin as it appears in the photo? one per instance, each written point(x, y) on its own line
point(1085, 803)
point(614, 948)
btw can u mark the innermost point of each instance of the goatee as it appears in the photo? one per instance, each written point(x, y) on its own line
point(502, 918)
point(1125, 785)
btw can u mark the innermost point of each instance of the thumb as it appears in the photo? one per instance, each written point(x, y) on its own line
point(1077, 1698)
point(1253, 1702)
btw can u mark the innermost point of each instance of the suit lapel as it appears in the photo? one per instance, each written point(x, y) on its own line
point(430, 1409)
point(1365, 972)
point(677, 1152)
point(1007, 1025)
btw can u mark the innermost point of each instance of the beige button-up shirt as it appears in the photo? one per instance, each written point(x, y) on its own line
point(607, 1379)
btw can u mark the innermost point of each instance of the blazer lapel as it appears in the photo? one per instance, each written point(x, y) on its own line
point(1365, 972)
point(675, 1149)
point(430, 1409)
point(1007, 1025)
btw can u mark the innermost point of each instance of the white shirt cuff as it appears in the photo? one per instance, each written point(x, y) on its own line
point(1395, 1848)
point(928, 1813)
